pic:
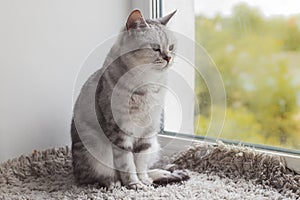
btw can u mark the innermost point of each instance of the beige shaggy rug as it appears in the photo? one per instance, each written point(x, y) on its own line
point(217, 172)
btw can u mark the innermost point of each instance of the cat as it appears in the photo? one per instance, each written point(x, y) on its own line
point(118, 113)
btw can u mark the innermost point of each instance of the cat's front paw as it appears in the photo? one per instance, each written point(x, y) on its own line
point(146, 180)
point(136, 185)
point(114, 185)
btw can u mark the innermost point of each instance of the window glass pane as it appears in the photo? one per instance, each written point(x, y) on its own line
point(256, 47)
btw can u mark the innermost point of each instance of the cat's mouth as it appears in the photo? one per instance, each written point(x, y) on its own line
point(161, 64)
point(165, 67)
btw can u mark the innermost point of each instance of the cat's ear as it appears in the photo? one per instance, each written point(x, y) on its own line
point(164, 20)
point(136, 20)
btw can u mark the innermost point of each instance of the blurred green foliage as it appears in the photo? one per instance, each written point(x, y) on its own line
point(259, 59)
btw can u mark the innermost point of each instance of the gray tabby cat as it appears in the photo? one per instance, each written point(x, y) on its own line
point(117, 115)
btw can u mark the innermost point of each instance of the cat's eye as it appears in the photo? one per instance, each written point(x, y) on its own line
point(155, 47)
point(171, 47)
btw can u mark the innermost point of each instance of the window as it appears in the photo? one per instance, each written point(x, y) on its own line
point(254, 46)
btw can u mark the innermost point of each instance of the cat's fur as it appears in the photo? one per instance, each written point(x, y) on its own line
point(118, 113)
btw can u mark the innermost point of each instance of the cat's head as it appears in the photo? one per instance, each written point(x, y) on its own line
point(148, 42)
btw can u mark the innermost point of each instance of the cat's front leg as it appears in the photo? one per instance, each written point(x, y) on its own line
point(124, 163)
point(141, 161)
point(145, 155)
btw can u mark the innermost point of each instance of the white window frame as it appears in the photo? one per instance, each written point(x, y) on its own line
point(172, 144)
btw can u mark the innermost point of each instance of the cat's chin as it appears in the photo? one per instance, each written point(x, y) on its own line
point(161, 66)
point(165, 67)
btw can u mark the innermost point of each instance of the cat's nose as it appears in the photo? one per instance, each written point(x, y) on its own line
point(166, 57)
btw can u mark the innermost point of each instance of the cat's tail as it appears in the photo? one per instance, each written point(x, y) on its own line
point(168, 175)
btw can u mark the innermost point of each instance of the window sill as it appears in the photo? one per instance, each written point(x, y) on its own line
point(175, 142)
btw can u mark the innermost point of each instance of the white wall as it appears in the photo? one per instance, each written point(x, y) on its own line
point(42, 45)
